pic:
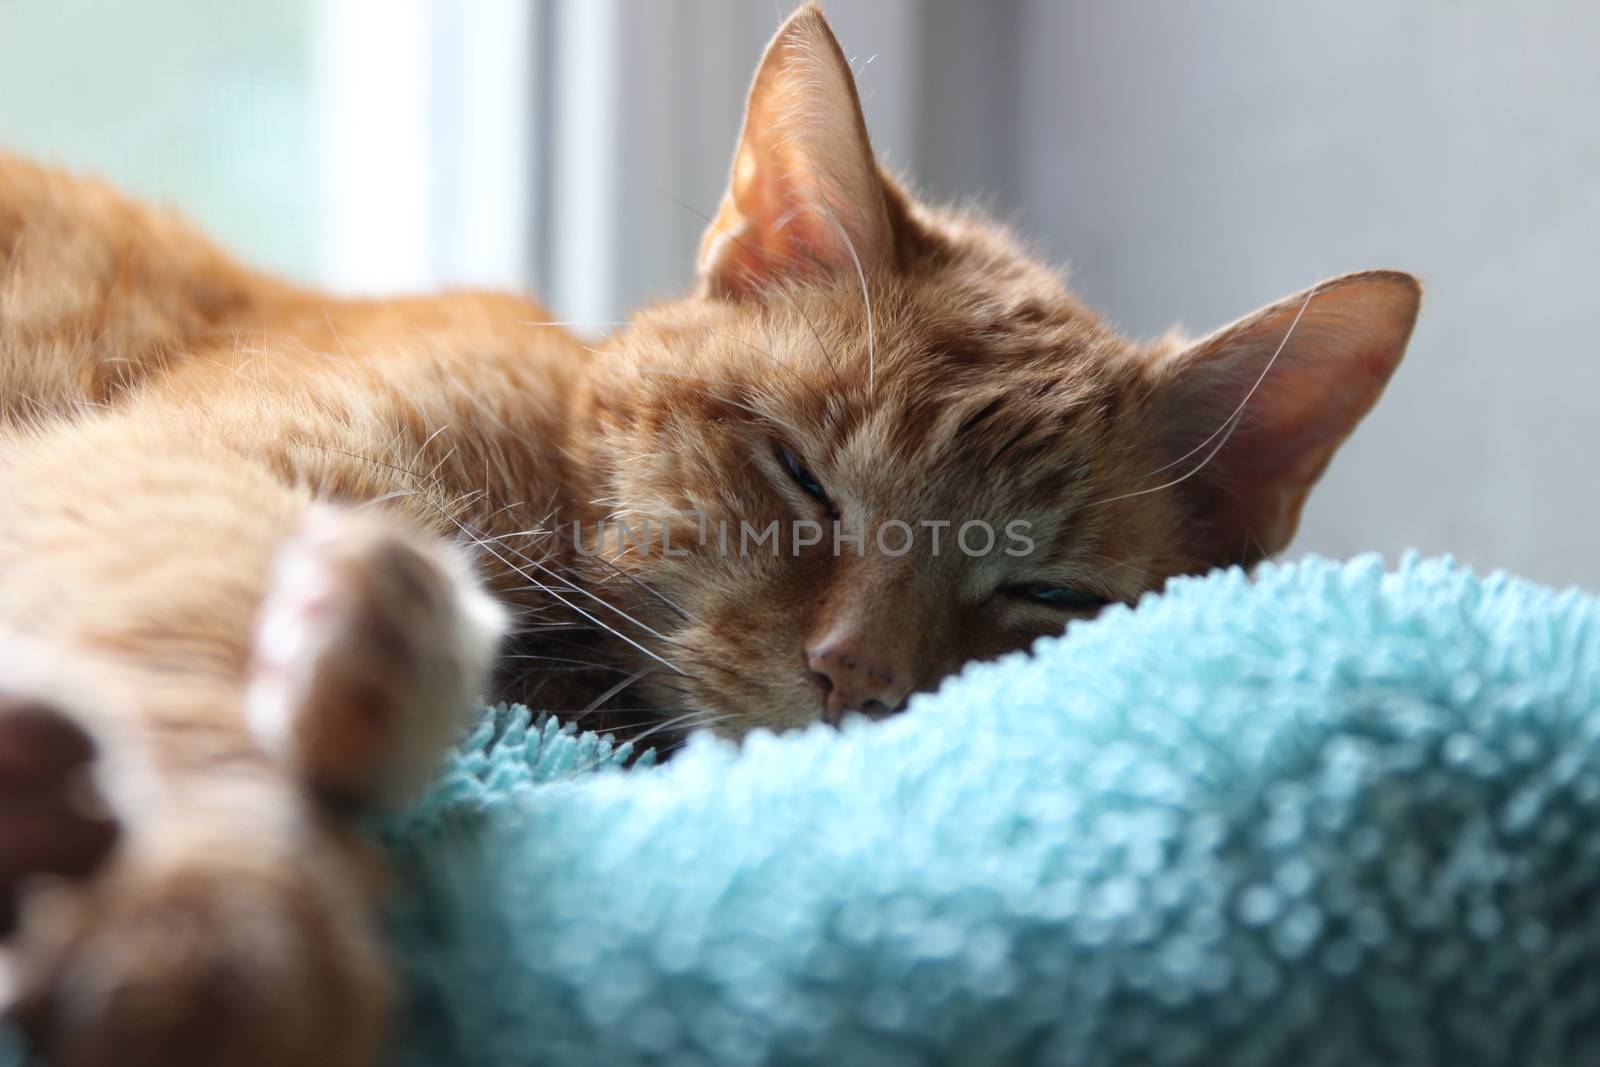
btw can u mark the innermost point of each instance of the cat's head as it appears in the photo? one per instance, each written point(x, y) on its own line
point(973, 458)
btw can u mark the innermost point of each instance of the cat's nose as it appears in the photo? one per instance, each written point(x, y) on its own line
point(853, 676)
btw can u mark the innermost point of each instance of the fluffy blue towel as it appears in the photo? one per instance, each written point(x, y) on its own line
point(1328, 816)
point(1325, 816)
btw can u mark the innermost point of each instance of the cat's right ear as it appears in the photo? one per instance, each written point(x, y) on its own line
point(805, 195)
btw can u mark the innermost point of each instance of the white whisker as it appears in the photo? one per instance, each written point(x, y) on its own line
point(1229, 424)
point(613, 631)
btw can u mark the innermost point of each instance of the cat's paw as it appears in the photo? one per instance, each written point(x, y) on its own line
point(374, 641)
point(204, 942)
point(53, 824)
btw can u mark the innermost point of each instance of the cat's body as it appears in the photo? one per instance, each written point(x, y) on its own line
point(247, 527)
point(158, 351)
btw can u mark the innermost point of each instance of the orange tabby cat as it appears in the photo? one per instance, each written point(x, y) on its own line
point(260, 545)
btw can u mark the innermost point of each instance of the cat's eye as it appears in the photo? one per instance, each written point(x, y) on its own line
point(803, 477)
point(1060, 597)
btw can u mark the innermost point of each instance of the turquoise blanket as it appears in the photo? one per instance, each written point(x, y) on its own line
point(1325, 816)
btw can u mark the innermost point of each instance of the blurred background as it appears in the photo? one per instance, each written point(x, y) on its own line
point(1189, 162)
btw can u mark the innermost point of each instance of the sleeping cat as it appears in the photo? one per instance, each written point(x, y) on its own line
point(262, 548)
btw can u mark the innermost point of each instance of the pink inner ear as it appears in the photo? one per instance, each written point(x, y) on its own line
point(768, 226)
point(1324, 375)
point(805, 191)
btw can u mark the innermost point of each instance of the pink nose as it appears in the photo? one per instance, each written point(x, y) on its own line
point(855, 677)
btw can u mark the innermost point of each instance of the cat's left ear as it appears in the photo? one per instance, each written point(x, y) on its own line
point(1250, 416)
point(805, 194)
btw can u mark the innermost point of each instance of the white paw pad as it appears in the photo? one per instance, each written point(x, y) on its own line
point(372, 644)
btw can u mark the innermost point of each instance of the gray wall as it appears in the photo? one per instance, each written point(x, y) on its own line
point(1194, 161)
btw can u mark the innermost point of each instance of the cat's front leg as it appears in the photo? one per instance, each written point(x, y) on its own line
point(222, 911)
point(230, 925)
